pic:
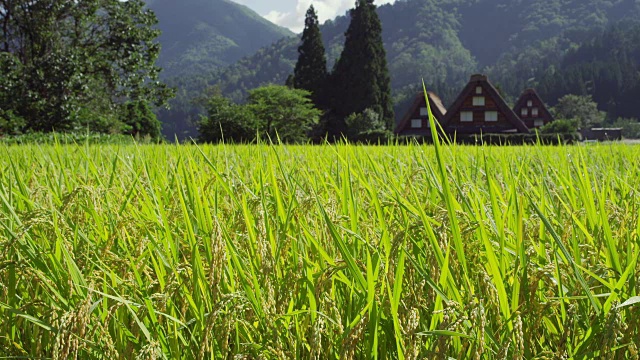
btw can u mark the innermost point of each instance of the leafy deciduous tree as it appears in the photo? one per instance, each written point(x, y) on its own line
point(140, 120)
point(10, 123)
point(226, 121)
point(560, 126)
point(283, 113)
point(630, 127)
point(71, 56)
point(368, 120)
point(581, 108)
point(274, 112)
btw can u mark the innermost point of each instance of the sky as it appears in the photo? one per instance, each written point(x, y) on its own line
point(290, 13)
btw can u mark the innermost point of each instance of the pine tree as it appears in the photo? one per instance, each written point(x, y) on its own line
point(360, 79)
point(311, 69)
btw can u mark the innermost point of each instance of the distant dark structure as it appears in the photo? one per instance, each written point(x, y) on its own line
point(480, 109)
point(532, 110)
point(416, 120)
point(602, 134)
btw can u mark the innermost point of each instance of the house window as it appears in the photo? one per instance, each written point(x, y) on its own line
point(478, 101)
point(538, 123)
point(529, 103)
point(534, 112)
point(424, 111)
point(466, 116)
point(491, 116)
point(416, 123)
point(478, 89)
point(524, 112)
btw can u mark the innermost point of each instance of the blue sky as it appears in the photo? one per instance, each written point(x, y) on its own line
point(290, 13)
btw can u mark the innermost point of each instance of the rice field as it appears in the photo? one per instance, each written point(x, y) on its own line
point(319, 252)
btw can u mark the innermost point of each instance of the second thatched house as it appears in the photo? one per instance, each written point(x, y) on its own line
point(416, 120)
point(481, 109)
point(532, 110)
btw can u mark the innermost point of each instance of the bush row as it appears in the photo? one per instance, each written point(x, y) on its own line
point(502, 139)
point(371, 137)
point(69, 138)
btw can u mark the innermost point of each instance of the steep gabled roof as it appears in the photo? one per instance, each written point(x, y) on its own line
point(544, 112)
point(483, 81)
point(437, 109)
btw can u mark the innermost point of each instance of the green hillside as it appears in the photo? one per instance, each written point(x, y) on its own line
point(418, 41)
point(445, 40)
point(202, 35)
point(492, 27)
point(515, 42)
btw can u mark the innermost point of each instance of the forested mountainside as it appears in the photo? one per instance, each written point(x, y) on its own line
point(199, 36)
point(517, 43)
point(606, 67)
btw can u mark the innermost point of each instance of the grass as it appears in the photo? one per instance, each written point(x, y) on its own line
point(272, 252)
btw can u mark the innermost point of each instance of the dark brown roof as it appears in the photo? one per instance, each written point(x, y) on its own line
point(437, 109)
point(476, 80)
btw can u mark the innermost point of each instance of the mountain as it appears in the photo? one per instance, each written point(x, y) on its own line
point(445, 40)
point(606, 67)
point(417, 39)
point(517, 43)
point(203, 35)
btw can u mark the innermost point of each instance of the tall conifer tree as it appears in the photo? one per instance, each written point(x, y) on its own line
point(311, 69)
point(360, 79)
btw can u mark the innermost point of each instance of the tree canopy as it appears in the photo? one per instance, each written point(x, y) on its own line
point(274, 113)
point(284, 114)
point(580, 108)
point(227, 121)
point(66, 65)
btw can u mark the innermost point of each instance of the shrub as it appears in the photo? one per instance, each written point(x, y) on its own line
point(140, 121)
point(365, 122)
point(66, 138)
point(283, 114)
point(581, 108)
point(502, 139)
point(272, 112)
point(560, 126)
point(630, 127)
point(226, 121)
point(10, 123)
point(373, 137)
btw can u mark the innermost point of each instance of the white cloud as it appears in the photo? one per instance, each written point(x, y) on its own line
point(326, 9)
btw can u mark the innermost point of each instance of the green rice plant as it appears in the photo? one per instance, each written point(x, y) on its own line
point(153, 251)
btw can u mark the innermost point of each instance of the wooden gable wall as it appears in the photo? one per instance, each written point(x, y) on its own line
point(417, 113)
point(532, 110)
point(491, 116)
